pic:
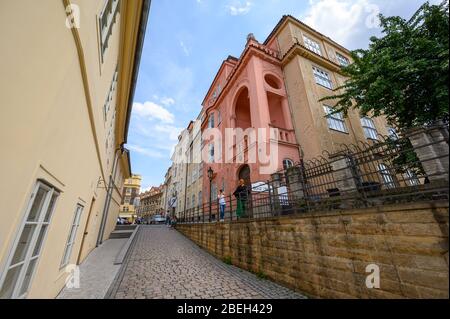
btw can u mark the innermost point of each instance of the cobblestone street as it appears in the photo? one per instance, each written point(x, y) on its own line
point(163, 264)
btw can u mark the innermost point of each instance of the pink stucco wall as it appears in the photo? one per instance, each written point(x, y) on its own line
point(268, 108)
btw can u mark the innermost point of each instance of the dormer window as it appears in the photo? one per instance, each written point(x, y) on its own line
point(343, 61)
point(312, 45)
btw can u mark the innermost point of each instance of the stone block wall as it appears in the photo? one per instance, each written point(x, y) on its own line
point(325, 255)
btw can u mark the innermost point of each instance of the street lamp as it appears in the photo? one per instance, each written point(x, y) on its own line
point(210, 176)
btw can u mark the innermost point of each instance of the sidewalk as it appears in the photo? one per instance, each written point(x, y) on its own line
point(97, 272)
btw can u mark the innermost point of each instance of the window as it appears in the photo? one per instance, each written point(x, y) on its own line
point(343, 61)
point(72, 236)
point(211, 153)
point(392, 133)
point(322, 78)
point(194, 173)
point(335, 121)
point(224, 188)
point(312, 45)
point(411, 178)
point(20, 268)
point(219, 117)
point(193, 201)
point(388, 179)
point(110, 96)
point(107, 19)
point(200, 170)
point(287, 163)
point(217, 92)
point(213, 192)
point(211, 123)
point(369, 128)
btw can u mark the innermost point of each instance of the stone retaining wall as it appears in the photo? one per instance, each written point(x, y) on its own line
point(325, 255)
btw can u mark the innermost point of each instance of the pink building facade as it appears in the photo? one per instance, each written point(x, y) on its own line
point(247, 93)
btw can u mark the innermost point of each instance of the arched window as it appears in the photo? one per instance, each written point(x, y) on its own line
point(287, 163)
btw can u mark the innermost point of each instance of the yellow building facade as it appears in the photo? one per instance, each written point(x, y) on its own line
point(68, 71)
point(312, 64)
point(131, 190)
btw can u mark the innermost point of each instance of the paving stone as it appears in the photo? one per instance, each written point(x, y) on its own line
point(164, 264)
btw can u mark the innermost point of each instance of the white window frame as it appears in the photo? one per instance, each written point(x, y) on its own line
point(211, 122)
point(370, 130)
point(411, 178)
point(336, 121)
point(322, 78)
point(388, 178)
point(110, 9)
point(37, 241)
point(343, 60)
point(72, 235)
point(312, 45)
point(392, 132)
point(110, 95)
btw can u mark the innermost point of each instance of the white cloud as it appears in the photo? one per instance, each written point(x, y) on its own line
point(238, 7)
point(167, 101)
point(170, 131)
point(152, 110)
point(342, 20)
point(145, 151)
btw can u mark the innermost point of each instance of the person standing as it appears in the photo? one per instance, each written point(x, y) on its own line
point(242, 194)
point(168, 219)
point(222, 205)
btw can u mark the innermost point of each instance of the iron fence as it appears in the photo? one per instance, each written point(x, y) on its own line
point(411, 167)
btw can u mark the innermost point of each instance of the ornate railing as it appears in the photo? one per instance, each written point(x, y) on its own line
point(391, 170)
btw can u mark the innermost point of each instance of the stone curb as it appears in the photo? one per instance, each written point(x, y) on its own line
point(123, 252)
point(110, 294)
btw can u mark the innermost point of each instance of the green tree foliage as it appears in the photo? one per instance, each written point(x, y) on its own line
point(404, 74)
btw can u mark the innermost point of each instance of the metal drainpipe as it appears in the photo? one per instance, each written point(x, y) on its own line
point(108, 196)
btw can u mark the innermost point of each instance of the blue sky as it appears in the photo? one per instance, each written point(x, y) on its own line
point(186, 42)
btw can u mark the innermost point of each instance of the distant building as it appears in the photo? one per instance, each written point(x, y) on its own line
point(131, 190)
point(151, 203)
point(194, 187)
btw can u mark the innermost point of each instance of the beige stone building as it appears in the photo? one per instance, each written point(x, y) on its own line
point(151, 203)
point(130, 198)
point(311, 64)
point(68, 72)
point(179, 174)
point(168, 189)
point(193, 193)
